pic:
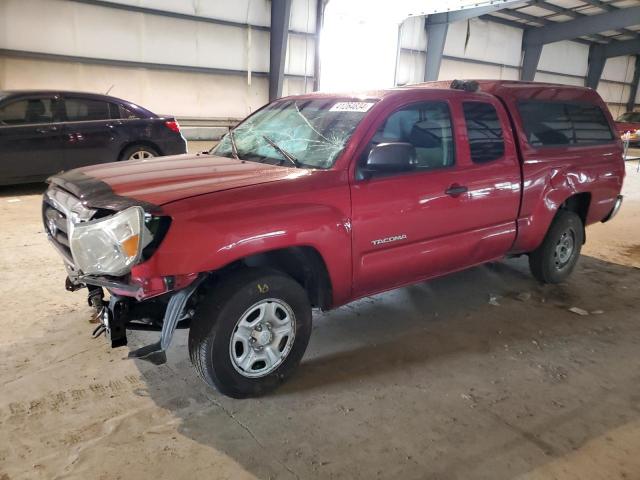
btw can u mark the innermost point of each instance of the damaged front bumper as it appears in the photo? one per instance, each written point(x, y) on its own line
point(124, 311)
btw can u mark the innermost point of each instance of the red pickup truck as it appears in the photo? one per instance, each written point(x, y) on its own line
point(316, 200)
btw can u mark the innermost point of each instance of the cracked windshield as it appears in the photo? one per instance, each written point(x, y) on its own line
point(304, 133)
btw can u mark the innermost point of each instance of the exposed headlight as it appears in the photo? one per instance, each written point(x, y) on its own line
point(112, 245)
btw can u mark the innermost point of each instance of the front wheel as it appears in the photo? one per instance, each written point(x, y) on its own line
point(250, 332)
point(555, 259)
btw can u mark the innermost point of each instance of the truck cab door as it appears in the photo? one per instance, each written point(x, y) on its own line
point(434, 219)
point(31, 140)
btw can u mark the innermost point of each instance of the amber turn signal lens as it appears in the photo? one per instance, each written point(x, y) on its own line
point(130, 245)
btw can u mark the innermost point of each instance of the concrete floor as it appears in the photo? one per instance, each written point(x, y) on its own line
point(429, 381)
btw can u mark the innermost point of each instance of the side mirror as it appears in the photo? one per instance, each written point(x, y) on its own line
point(393, 157)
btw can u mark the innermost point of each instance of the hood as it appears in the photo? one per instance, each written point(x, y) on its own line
point(162, 180)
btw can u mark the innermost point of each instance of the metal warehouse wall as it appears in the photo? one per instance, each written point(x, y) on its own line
point(190, 58)
point(485, 49)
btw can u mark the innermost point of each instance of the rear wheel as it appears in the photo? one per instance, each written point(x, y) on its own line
point(555, 259)
point(250, 332)
point(138, 152)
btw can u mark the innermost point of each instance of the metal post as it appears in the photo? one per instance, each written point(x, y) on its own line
point(320, 4)
point(280, 12)
point(597, 60)
point(436, 36)
point(530, 61)
point(631, 103)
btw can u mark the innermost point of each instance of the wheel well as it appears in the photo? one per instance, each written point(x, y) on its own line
point(578, 203)
point(139, 142)
point(303, 264)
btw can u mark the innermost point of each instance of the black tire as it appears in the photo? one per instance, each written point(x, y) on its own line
point(547, 264)
point(216, 319)
point(133, 149)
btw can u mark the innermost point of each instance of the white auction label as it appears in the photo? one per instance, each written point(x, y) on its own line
point(352, 107)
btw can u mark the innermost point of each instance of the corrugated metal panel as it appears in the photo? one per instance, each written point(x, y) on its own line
point(565, 57)
point(488, 41)
point(255, 12)
point(71, 28)
point(452, 69)
point(303, 16)
point(300, 55)
point(613, 92)
point(413, 34)
point(619, 69)
point(179, 93)
point(410, 67)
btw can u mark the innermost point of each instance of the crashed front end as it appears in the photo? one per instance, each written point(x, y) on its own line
point(106, 243)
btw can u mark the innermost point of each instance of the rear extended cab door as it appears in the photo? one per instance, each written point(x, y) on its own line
point(425, 223)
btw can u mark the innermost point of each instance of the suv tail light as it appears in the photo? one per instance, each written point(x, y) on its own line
point(172, 125)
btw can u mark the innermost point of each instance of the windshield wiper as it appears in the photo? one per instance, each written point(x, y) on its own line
point(282, 151)
point(234, 147)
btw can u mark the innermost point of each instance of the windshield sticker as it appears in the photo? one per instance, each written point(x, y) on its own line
point(351, 107)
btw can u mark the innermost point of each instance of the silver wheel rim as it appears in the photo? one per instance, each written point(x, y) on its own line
point(140, 155)
point(262, 338)
point(564, 249)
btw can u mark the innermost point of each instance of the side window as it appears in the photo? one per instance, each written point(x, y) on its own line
point(558, 124)
point(484, 131)
point(84, 109)
point(127, 114)
point(114, 110)
point(26, 112)
point(427, 126)
point(590, 124)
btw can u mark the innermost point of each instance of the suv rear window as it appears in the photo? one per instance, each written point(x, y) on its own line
point(558, 124)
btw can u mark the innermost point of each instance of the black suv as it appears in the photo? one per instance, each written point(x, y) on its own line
point(42, 133)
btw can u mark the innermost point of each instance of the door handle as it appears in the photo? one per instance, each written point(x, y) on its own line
point(456, 190)
point(47, 129)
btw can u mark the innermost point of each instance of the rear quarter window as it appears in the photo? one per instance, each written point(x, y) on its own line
point(552, 124)
point(484, 131)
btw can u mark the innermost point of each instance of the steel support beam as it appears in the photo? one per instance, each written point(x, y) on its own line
point(631, 103)
point(437, 26)
point(587, 25)
point(436, 36)
point(597, 59)
point(320, 6)
point(599, 53)
point(626, 47)
point(280, 12)
point(530, 61)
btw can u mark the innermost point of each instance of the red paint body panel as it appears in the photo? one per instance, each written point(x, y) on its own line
point(553, 174)
point(223, 210)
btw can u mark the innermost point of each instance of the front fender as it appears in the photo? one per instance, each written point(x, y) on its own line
point(211, 231)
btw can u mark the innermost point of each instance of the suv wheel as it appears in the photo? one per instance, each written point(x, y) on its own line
point(138, 152)
point(250, 332)
point(554, 260)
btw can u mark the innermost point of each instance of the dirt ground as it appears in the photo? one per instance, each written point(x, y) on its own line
point(426, 382)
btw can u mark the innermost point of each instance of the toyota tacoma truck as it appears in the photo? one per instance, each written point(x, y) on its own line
point(316, 200)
